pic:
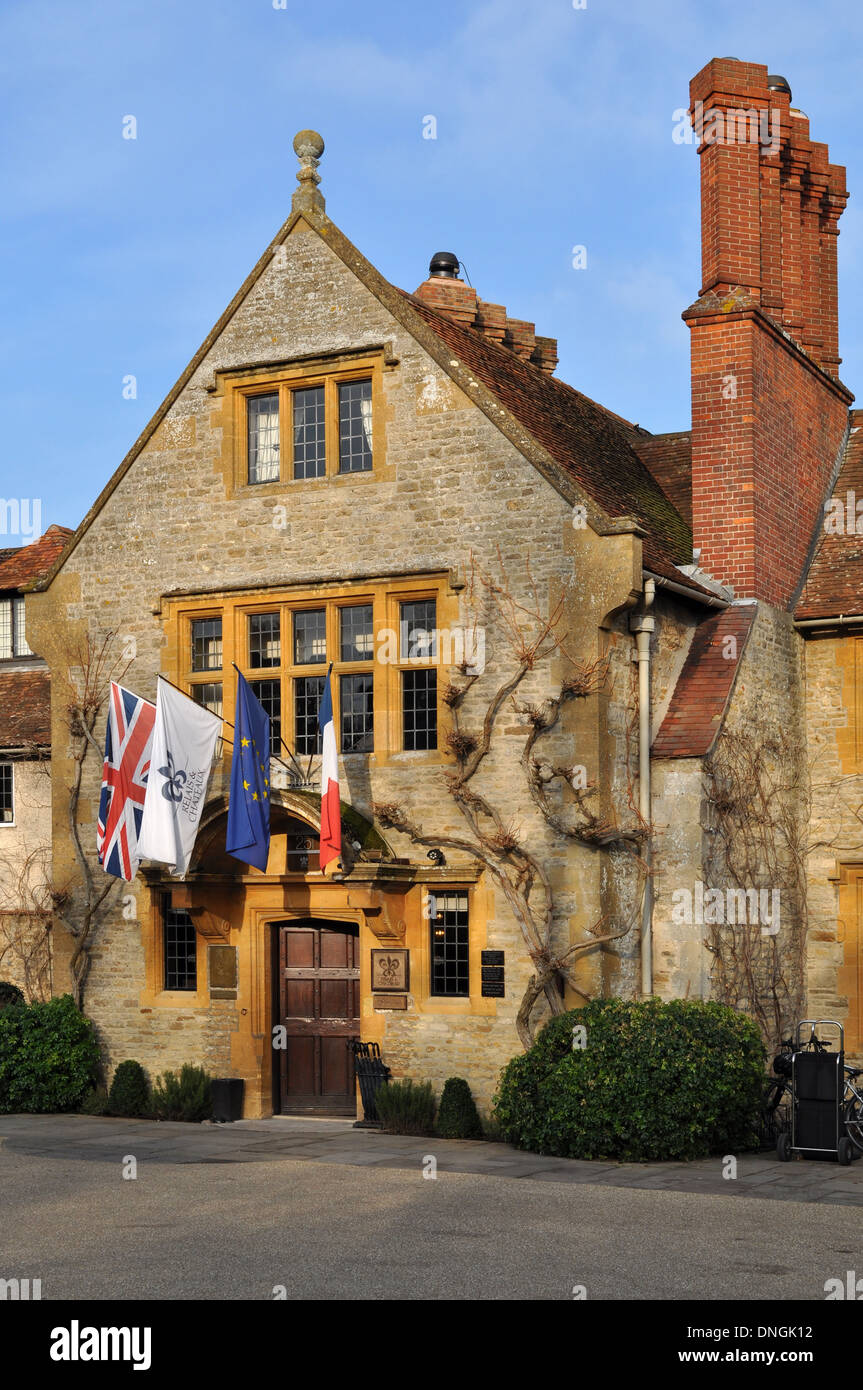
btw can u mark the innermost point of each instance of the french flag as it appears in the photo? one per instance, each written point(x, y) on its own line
point(331, 814)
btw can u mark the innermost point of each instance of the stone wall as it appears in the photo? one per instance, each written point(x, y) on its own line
point(834, 717)
point(25, 957)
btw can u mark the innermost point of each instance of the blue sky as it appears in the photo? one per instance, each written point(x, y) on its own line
point(553, 130)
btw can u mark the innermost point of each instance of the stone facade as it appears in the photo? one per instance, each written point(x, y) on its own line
point(448, 489)
point(834, 697)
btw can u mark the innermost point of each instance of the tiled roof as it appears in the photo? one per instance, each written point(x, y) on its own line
point(25, 708)
point(834, 585)
point(669, 458)
point(590, 443)
point(697, 706)
point(28, 562)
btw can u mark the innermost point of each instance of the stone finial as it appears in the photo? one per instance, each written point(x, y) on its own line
point(308, 147)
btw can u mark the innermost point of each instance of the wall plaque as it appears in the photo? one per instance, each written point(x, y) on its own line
point(493, 973)
point(222, 971)
point(390, 969)
point(390, 1001)
point(492, 989)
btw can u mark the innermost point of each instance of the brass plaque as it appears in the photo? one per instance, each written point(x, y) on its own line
point(390, 1001)
point(390, 968)
point(222, 964)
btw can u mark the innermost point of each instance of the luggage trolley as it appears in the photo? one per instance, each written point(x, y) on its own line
point(817, 1093)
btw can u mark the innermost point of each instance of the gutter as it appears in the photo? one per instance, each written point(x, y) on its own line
point(844, 620)
point(642, 624)
point(708, 600)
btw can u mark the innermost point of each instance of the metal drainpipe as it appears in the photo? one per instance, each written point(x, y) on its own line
point(643, 624)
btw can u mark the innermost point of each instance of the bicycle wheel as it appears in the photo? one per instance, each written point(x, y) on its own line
point(775, 1112)
point(853, 1117)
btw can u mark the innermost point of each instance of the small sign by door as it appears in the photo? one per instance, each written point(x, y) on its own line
point(390, 969)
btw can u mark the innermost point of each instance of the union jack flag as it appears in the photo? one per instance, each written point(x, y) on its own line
point(128, 741)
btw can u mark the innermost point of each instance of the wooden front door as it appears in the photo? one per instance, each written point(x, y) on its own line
point(319, 1006)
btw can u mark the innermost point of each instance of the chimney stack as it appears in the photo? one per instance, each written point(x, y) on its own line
point(768, 411)
point(444, 291)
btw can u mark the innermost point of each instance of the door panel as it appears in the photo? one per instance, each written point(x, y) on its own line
point(300, 1060)
point(318, 1004)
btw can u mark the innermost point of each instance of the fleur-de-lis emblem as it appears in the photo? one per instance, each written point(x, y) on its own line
point(173, 788)
point(390, 967)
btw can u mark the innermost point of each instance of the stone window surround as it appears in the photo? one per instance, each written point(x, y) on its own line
point(385, 596)
point(237, 386)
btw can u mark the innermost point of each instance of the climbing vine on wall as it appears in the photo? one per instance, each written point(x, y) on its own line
point(757, 789)
point(532, 635)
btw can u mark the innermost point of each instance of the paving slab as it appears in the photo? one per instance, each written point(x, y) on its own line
point(335, 1141)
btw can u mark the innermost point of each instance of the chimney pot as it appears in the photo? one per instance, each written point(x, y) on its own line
point(776, 83)
point(444, 264)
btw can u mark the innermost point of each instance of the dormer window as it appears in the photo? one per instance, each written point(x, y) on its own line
point(13, 640)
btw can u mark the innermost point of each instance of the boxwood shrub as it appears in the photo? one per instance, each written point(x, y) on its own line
point(48, 1056)
point(130, 1091)
point(654, 1081)
point(457, 1116)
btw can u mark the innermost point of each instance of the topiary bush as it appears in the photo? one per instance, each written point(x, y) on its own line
point(655, 1081)
point(457, 1115)
point(406, 1107)
point(48, 1056)
point(130, 1091)
point(10, 994)
point(183, 1097)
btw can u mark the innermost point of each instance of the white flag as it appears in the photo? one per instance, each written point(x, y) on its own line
point(184, 741)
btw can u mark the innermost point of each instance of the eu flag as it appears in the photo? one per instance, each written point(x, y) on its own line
point(248, 835)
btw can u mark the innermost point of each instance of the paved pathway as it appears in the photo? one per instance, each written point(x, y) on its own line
point(97, 1139)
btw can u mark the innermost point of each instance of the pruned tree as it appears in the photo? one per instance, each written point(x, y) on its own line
point(80, 904)
point(532, 636)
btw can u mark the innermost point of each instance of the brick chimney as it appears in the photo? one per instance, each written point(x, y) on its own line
point(444, 291)
point(768, 410)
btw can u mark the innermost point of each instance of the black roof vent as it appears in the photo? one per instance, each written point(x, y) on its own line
point(445, 264)
point(775, 83)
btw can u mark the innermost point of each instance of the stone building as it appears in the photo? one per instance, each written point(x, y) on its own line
point(520, 592)
point(25, 781)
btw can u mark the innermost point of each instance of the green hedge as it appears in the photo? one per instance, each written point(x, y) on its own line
point(654, 1081)
point(48, 1056)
